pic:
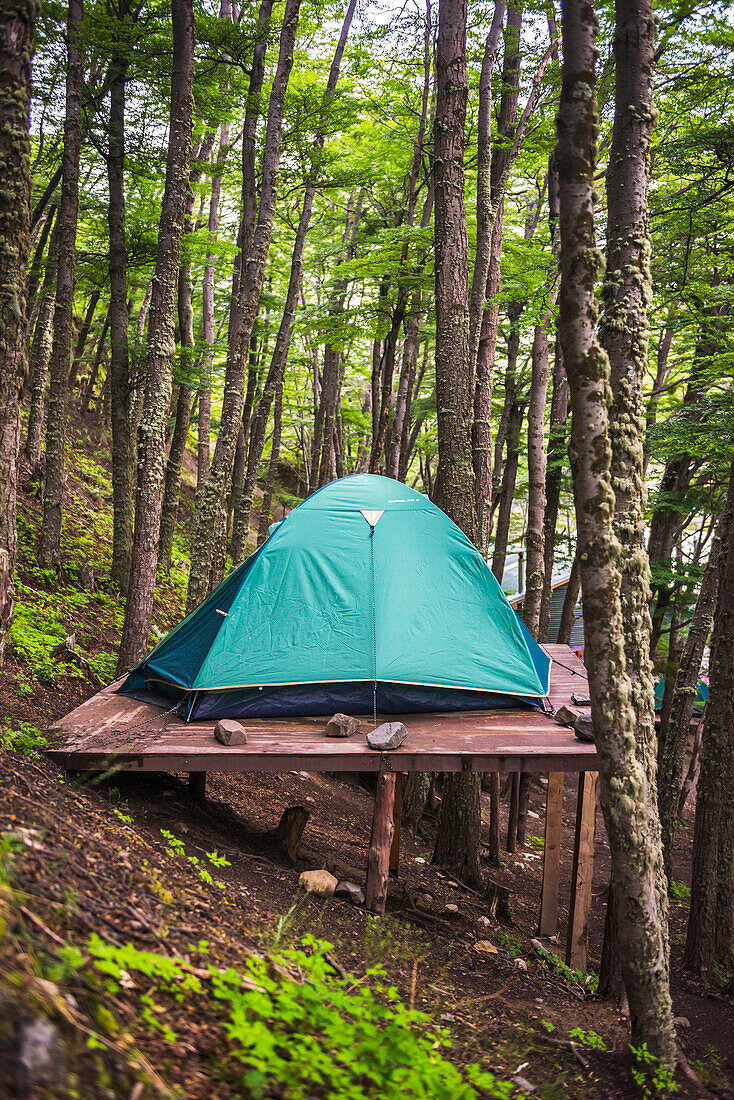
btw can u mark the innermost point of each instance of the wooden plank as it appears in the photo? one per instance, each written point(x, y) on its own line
point(494, 818)
point(378, 859)
point(577, 943)
point(397, 821)
point(548, 920)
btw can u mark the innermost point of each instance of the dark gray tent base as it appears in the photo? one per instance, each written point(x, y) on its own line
point(308, 700)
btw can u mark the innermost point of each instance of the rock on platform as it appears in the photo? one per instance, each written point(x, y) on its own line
point(342, 725)
point(229, 732)
point(390, 735)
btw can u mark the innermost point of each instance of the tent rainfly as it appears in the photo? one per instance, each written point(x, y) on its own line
point(365, 597)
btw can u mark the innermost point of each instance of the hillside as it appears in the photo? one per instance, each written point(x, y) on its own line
point(153, 947)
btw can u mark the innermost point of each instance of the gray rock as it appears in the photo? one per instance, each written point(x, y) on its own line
point(483, 922)
point(342, 725)
point(520, 964)
point(350, 891)
point(584, 728)
point(390, 735)
point(321, 883)
point(41, 1055)
point(230, 732)
point(522, 1083)
point(682, 1021)
point(566, 716)
point(581, 698)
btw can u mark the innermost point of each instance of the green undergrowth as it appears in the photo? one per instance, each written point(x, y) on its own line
point(286, 1024)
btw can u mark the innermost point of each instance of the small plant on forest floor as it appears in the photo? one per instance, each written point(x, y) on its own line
point(650, 1077)
point(510, 942)
point(176, 848)
point(710, 1068)
point(591, 1039)
point(588, 982)
point(26, 738)
point(294, 1027)
point(536, 842)
point(679, 892)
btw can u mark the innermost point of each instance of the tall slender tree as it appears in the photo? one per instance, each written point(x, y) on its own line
point(49, 546)
point(457, 841)
point(626, 794)
point(17, 44)
point(245, 304)
point(161, 345)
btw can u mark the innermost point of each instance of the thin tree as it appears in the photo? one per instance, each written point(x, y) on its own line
point(17, 44)
point(624, 334)
point(244, 307)
point(161, 345)
point(709, 938)
point(457, 840)
point(626, 795)
point(49, 545)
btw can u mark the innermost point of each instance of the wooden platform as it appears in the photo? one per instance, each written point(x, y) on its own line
point(111, 730)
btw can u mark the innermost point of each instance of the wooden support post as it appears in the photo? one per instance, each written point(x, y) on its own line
point(548, 920)
point(523, 798)
point(378, 860)
point(514, 808)
point(197, 786)
point(494, 819)
point(583, 869)
point(397, 817)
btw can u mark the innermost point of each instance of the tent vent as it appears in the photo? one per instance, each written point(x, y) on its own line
point(371, 517)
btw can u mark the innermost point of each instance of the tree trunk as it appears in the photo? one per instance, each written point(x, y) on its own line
point(672, 748)
point(187, 341)
point(457, 840)
point(570, 603)
point(626, 797)
point(161, 346)
point(83, 337)
point(553, 479)
point(269, 487)
point(279, 359)
point(507, 492)
point(709, 938)
point(49, 546)
point(123, 455)
point(89, 391)
point(210, 501)
point(40, 355)
point(37, 265)
point(624, 333)
point(17, 45)
point(534, 545)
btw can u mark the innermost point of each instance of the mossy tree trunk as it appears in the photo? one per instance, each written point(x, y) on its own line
point(49, 545)
point(161, 346)
point(40, 354)
point(457, 840)
point(17, 44)
point(210, 500)
point(627, 799)
point(123, 479)
point(709, 938)
point(624, 332)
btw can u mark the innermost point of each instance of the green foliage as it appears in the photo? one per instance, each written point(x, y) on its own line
point(176, 848)
point(590, 1039)
point(22, 737)
point(679, 892)
point(652, 1078)
point(588, 981)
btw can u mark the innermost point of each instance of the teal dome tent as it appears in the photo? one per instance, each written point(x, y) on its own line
point(366, 593)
